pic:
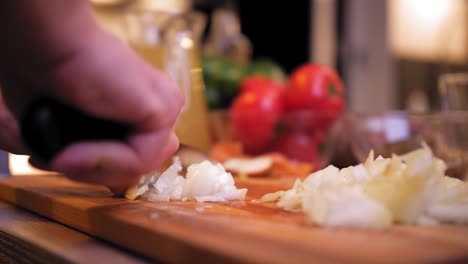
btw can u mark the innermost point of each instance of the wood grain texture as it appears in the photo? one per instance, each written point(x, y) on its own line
point(233, 232)
point(29, 238)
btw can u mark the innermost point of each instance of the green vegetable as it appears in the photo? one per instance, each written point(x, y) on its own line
point(222, 78)
point(213, 97)
point(232, 77)
point(267, 68)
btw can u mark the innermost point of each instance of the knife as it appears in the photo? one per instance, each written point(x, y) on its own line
point(49, 126)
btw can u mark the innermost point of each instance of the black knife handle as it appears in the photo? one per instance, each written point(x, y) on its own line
point(48, 126)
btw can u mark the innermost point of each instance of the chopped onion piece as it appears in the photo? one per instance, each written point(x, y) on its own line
point(204, 182)
point(271, 197)
point(208, 182)
point(411, 188)
point(249, 166)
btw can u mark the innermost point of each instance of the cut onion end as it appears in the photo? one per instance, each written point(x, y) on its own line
point(259, 166)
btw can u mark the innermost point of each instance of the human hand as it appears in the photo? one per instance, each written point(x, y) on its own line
point(104, 78)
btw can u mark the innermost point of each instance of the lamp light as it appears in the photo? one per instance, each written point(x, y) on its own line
point(429, 30)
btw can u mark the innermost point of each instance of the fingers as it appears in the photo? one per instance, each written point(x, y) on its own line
point(163, 144)
point(119, 85)
point(116, 165)
point(10, 139)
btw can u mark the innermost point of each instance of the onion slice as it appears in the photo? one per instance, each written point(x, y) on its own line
point(410, 188)
point(204, 182)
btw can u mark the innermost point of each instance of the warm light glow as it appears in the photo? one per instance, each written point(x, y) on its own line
point(173, 6)
point(19, 165)
point(428, 12)
point(186, 42)
point(108, 2)
point(430, 30)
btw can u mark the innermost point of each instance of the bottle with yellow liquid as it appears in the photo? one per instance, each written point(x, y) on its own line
point(170, 42)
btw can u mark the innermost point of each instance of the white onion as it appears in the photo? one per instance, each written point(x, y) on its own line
point(204, 182)
point(208, 182)
point(411, 188)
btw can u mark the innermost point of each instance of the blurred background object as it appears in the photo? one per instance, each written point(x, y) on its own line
point(429, 38)
point(168, 37)
point(417, 101)
point(398, 132)
point(18, 165)
point(453, 89)
point(382, 49)
point(225, 37)
point(429, 30)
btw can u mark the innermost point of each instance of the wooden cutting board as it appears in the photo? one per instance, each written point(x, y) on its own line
point(234, 232)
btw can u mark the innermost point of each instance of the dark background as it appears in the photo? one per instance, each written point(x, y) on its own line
point(278, 30)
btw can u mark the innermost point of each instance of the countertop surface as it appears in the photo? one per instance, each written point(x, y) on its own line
point(182, 232)
point(26, 237)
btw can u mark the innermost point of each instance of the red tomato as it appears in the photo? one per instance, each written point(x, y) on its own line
point(253, 117)
point(259, 82)
point(298, 145)
point(334, 107)
point(317, 88)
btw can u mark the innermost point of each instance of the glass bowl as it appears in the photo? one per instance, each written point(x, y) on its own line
point(304, 136)
point(308, 136)
point(398, 132)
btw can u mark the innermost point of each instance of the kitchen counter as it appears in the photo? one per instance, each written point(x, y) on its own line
point(184, 232)
point(28, 238)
